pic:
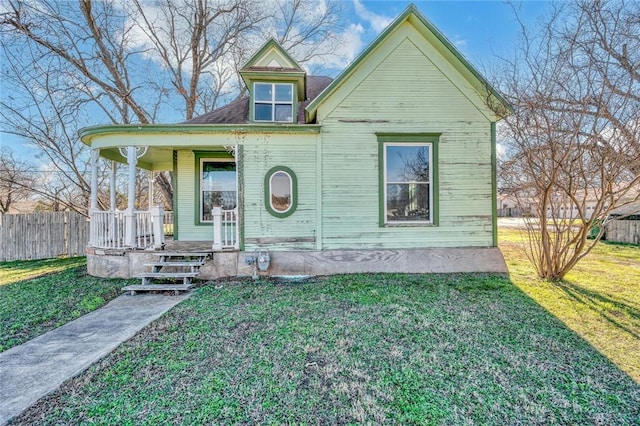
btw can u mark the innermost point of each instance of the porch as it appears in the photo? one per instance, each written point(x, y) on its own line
point(133, 228)
point(145, 230)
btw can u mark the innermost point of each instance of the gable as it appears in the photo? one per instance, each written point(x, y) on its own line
point(412, 26)
point(274, 58)
point(271, 63)
point(405, 86)
point(271, 55)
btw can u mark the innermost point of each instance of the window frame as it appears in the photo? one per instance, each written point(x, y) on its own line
point(200, 158)
point(273, 102)
point(267, 191)
point(409, 139)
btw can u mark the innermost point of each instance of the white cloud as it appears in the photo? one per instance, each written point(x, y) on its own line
point(377, 22)
point(350, 45)
point(460, 43)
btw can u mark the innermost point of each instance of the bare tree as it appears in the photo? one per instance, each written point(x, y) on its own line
point(16, 180)
point(134, 62)
point(573, 143)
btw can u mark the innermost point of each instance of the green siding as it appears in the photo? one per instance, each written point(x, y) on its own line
point(404, 92)
point(297, 152)
point(187, 201)
point(260, 153)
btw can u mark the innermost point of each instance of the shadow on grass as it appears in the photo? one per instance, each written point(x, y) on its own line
point(20, 270)
point(366, 348)
point(597, 302)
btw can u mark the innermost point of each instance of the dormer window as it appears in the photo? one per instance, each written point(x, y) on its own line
point(273, 102)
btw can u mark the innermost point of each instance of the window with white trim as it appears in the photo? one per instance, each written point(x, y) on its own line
point(273, 102)
point(408, 177)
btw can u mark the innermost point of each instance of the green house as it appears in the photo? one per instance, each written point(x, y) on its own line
point(391, 166)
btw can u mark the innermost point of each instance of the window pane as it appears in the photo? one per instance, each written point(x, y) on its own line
point(280, 188)
point(263, 112)
point(407, 163)
point(284, 113)
point(408, 202)
point(263, 92)
point(284, 92)
point(217, 186)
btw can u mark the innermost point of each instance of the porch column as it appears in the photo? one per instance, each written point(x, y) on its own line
point(95, 153)
point(112, 186)
point(93, 198)
point(150, 189)
point(129, 214)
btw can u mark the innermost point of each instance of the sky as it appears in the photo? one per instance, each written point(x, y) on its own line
point(481, 30)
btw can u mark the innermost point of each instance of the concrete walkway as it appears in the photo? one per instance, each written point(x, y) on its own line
point(38, 367)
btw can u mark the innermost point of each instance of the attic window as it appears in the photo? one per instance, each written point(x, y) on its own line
point(273, 102)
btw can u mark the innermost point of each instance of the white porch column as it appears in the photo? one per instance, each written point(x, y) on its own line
point(112, 186)
point(150, 189)
point(95, 153)
point(129, 214)
point(217, 228)
point(93, 204)
point(157, 216)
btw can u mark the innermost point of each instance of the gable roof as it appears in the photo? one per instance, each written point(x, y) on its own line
point(237, 112)
point(428, 30)
point(269, 52)
point(273, 63)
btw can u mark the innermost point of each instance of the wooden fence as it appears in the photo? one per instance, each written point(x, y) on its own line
point(624, 231)
point(42, 235)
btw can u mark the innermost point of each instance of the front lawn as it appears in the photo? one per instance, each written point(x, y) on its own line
point(599, 299)
point(39, 295)
point(405, 349)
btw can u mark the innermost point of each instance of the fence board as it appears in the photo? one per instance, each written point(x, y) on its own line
point(42, 235)
point(624, 231)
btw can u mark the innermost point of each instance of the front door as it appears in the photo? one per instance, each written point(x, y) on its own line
point(219, 197)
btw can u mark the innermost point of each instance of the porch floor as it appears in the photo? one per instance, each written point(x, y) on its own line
point(189, 246)
point(186, 246)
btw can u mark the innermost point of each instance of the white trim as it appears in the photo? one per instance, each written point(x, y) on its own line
point(386, 183)
point(214, 160)
point(272, 102)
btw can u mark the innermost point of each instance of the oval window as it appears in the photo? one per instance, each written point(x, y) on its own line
point(281, 191)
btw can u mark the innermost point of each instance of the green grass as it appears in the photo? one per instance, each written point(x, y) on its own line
point(404, 349)
point(37, 296)
point(599, 299)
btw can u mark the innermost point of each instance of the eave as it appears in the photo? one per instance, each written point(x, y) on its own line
point(428, 30)
point(161, 140)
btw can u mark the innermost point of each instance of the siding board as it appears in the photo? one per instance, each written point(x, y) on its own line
point(405, 93)
point(260, 154)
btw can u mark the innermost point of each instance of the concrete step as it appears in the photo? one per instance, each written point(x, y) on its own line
point(186, 277)
point(176, 263)
point(132, 289)
point(167, 275)
point(181, 254)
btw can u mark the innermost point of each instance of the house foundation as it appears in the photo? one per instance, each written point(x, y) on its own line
point(129, 263)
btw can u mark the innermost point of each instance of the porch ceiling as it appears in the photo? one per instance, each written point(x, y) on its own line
point(156, 158)
point(162, 140)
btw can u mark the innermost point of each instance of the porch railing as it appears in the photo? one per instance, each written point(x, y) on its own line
point(120, 229)
point(107, 229)
point(225, 229)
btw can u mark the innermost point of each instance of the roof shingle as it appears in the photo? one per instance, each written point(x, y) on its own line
point(237, 112)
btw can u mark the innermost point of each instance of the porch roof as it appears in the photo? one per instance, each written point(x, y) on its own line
point(162, 139)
